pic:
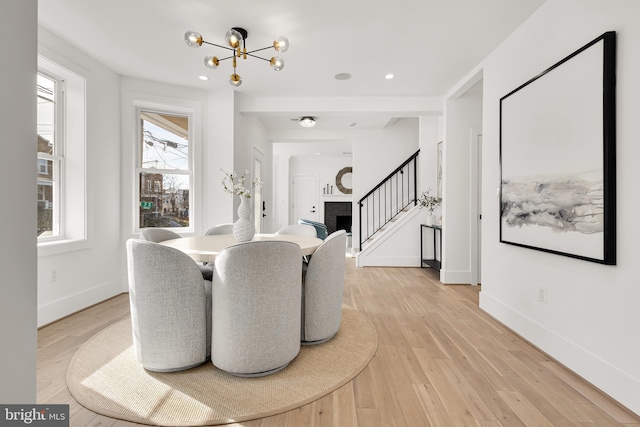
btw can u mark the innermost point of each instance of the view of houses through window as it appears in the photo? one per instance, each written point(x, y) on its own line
point(50, 160)
point(164, 170)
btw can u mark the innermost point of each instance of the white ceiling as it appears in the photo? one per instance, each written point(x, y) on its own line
point(430, 45)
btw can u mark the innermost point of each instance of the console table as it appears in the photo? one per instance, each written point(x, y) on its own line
point(437, 247)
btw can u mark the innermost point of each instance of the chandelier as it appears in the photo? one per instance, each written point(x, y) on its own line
point(236, 42)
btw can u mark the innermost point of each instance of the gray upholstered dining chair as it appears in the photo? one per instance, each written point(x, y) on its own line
point(298, 229)
point(226, 228)
point(256, 307)
point(157, 235)
point(322, 289)
point(170, 307)
point(321, 229)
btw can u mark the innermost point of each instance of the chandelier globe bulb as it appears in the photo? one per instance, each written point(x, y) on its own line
point(277, 63)
point(281, 44)
point(193, 39)
point(211, 62)
point(235, 80)
point(233, 38)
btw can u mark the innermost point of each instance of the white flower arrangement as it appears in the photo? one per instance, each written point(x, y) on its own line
point(426, 200)
point(234, 183)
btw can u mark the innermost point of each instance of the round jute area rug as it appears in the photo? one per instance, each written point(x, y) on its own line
point(105, 377)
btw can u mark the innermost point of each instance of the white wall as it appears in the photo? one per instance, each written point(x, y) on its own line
point(283, 152)
point(429, 137)
point(463, 113)
point(88, 273)
point(375, 154)
point(378, 153)
point(401, 246)
point(213, 130)
point(137, 93)
point(249, 135)
point(217, 153)
point(326, 169)
point(18, 215)
point(591, 318)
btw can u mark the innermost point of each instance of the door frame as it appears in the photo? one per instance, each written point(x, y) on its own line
point(258, 155)
point(475, 194)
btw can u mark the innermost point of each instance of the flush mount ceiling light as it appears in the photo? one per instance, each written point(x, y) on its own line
point(307, 122)
point(236, 42)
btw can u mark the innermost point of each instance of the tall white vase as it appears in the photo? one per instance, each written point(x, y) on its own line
point(431, 219)
point(243, 228)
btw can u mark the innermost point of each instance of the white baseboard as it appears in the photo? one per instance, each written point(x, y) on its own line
point(449, 277)
point(387, 261)
point(54, 310)
point(616, 383)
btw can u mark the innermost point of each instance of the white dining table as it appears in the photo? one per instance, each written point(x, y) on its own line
point(207, 248)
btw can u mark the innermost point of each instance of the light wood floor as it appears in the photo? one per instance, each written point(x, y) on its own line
point(441, 361)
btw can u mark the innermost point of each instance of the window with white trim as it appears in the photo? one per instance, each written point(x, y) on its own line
point(50, 119)
point(164, 172)
point(61, 160)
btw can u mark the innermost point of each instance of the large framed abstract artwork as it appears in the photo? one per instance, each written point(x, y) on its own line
point(558, 160)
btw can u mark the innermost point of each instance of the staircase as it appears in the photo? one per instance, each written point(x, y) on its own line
point(388, 201)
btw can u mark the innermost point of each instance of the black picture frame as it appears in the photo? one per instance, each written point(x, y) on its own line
point(558, 158)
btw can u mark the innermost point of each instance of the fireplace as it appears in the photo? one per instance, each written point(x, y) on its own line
point(337, 216)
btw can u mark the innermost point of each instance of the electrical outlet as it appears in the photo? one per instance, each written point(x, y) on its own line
point(53, 275)
point(542, 293)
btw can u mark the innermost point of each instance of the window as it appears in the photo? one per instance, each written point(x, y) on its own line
point(164, 170)
point(61, 161)
point(42, 167)
point(49, 92)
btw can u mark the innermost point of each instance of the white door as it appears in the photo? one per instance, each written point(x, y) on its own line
point(304, 198)
point(259, 204)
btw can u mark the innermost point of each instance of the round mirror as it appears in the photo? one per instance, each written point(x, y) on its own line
point(343, 180)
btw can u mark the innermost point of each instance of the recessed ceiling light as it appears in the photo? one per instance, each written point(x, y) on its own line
point(203, 77)
point(389, 76)
point(352, 124)
point(342, 76)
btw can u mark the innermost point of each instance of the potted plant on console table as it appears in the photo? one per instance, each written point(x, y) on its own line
point(426, 200)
